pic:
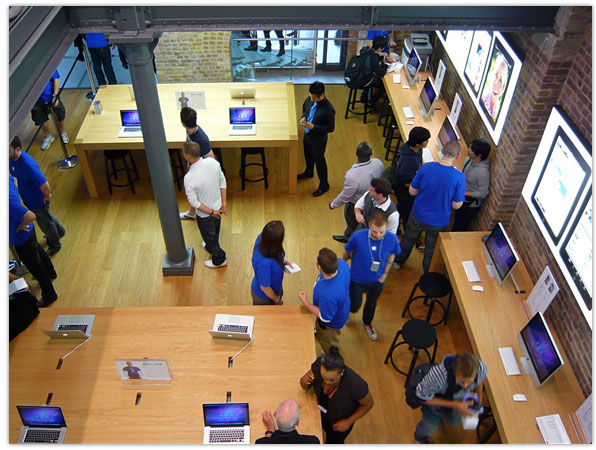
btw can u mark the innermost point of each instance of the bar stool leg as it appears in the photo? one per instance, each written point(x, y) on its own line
point(243, 168)
point(392, 346)
point(108, 175)
point(134, 166)
point(128, 176)
point(448, 306)
point(403, 313)
point(412, 365)
point(265, 170)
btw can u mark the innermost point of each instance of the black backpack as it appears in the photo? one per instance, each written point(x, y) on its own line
point(358, 72)
point(419, 373)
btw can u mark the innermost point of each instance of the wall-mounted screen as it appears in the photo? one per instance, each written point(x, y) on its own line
point(496, 82)
point(477, 58)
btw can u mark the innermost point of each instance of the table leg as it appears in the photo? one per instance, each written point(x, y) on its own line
point(87, 174)
point(292, 166)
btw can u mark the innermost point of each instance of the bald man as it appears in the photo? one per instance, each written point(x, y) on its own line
point(287, 417)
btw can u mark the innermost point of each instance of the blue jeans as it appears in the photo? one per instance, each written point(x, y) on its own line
point(373, 291)
point(50, 226)
point(413, 230)
point(209, 229)
point(431, 419)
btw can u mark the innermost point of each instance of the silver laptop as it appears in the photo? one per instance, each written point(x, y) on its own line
point(242, 121)
point(226, 423)
point(232, 327)
point(71, 327)
point(42, 425)
point(242, 92)
point(131, 124)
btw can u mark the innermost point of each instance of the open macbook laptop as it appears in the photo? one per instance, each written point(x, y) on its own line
point(42, 424)
point(131, 124)
point(71, 327)
point(226, 423)
point(232, 327)
point(242, 92)
point(242, 122)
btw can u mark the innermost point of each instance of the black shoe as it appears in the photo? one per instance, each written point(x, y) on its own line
point(53, 251)
point(267, 48)
point(281, 52)
point(53, 275)
point(319, 192)
point(339, 238)
point(251, 48)
point(61, 235)
point(304, 175)
point(42, 303)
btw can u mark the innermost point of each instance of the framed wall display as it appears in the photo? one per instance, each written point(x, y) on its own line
point(558, 192)
point(477, 58)
point(496, 82)
point(457, 43)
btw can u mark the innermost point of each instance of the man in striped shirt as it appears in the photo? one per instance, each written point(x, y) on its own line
point(442, 392)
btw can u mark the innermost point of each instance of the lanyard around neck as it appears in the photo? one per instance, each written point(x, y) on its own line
point(370, 249)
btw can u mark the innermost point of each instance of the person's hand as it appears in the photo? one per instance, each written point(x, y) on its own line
point(330, 207)
point(268, 420)
point(302, 297)
point(287, 262)
point(359, 217)
point(216, 214)
point(47, 199)
point(308, 377)
point(383, 277)
point(342, 425)
point(389, 59)
point(463, 408)
point(55, 102)
point(308, 125)
point(23, 227)
point(223, 209)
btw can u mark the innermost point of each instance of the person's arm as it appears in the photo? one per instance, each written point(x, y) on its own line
point(209, 155)
point(223, 209)
point(358, 207)
point(348, 191)
point(312, 308)
point(56, 83)
point(45, 190)
point(193, 200)
point(482, 181)
point(413, 192)
point(390, 260)
point(479, 392)
point(456, 205)
point(365, 406)
point(307, 380)
point(346, 255)
point(393, 222)
point(461, 407)
point(28, 217)
point(270, 293)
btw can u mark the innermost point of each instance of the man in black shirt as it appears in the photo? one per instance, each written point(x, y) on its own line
point(287, 417)
point(318, 120)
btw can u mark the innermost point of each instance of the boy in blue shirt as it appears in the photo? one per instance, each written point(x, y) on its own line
point(35, 191)
point(372, 251)
point(438, 188)
point(331, 299)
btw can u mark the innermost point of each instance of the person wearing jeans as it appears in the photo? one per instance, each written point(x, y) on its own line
point(205, 186)
point(372, 251)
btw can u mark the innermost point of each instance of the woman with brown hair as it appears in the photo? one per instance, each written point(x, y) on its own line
point(268, 262)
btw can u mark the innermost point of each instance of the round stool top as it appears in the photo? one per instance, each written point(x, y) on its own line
point(434, 284)
point(419, 333)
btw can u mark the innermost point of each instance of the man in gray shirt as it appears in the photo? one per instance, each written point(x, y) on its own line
point(356, 184)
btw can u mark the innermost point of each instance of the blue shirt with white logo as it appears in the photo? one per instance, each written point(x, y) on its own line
point(366, 249)
point(30, 178)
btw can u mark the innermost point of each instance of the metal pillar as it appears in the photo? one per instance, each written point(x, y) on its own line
point(178, 259)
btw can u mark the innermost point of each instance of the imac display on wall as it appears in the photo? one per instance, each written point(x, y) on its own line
point(558, 192)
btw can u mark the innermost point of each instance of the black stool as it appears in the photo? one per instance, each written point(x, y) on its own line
point(392, 129)
point(112, 156)
point(243, 165)
point(418, 335)
point(486, 420)
point(217, 153)
point(386, 113)
point(434, 286)
point(178, 167)
point(353, 99)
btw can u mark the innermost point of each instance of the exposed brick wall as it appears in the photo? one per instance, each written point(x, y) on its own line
point(197, 57)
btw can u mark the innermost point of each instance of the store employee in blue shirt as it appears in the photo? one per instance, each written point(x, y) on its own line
point(99, 47)
point(35, 191)
point(21, 234)
point(40, 113)
point(372, 251)
point(438, 187)
point(331, 298)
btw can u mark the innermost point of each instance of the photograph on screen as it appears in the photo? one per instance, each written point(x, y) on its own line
point(576, 251)
point(560, 184)
point(143, 369)
point(496, 82)
point(477, 58)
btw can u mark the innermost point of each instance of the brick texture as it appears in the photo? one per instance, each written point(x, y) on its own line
point(198, 57)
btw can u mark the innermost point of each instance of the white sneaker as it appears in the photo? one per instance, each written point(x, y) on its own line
point(47, 142)
point(186, 216)
point(64, 137)
point(370, 330)
point(396, 265)
point(204, 245)
point(209, 263)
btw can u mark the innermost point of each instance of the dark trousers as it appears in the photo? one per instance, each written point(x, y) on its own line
point(463, 216)
point(377, 83)
point(103, 56)
point(351, 222)
point(39, 264)
point(280, 35)
point(50, 226)
point(373, 291)
point(404, 203)
point(314, 155)
point(219, 157)
point(247, 34)
point(209, 229)
point(413, 231)
point(332, 436)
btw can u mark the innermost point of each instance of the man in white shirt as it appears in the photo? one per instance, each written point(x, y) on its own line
point(356, 184)
point(377, 199)
point(205, 186)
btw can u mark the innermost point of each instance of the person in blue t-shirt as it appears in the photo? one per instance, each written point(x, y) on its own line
point(331, 298)
point(372, 252)
point(21, 234)
point(35, 191)
point(101, 54)
point(134, 372)
point(268, 262)
point(40, 113)
point(438, 187)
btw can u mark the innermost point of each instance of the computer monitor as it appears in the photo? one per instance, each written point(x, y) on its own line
point(447, 132)
point(501, 254)
point(412, 66)
point(427, 97)
point(540, 349)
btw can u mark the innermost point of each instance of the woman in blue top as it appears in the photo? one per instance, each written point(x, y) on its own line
point(268, 261)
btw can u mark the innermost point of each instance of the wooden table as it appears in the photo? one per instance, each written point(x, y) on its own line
point(275, 114)
point(100, 408)
point(400, 97)
point(493, 319)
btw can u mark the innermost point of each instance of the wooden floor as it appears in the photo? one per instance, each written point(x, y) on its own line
point(113, 251)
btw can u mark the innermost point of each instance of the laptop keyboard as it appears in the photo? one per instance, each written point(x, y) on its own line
point(226, 435)
point(233, 328)
point(49, 436)
point(83, 328)
point(132, 129)
point(241, 127)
